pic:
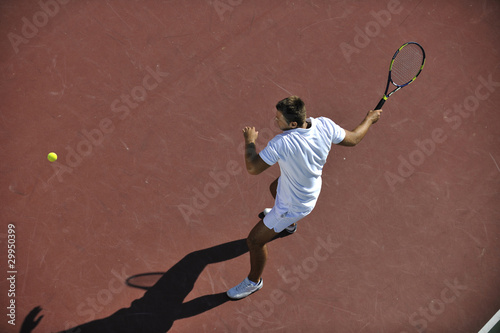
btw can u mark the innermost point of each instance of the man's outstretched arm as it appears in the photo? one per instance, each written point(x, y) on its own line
point(355, 136)
point(254, 163)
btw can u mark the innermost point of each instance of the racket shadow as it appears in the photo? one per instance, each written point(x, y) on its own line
point(163, 301)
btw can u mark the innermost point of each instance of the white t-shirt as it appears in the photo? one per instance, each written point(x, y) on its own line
point(301, 154)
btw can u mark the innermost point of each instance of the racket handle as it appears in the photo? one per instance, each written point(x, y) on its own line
point(380, 104)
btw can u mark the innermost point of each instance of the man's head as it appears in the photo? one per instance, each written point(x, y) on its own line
point(291, 113)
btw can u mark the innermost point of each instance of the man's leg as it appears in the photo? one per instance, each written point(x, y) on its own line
point(256, 241)
point(274, 187)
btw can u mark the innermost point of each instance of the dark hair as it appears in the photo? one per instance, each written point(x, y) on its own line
point(293, 109)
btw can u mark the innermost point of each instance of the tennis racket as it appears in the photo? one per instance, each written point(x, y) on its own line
point(406, 65)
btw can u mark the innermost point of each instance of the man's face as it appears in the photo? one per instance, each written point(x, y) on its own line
point(282, 123)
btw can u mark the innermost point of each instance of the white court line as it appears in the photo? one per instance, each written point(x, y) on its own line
point(492, 322)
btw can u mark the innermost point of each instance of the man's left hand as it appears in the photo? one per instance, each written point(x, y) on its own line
point(250, 134)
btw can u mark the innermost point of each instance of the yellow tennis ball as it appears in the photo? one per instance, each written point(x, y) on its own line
point(52, 157)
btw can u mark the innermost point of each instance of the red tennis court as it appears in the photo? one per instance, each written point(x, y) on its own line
point(144, 102)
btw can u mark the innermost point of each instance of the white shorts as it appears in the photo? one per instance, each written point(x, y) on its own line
point(279, 221)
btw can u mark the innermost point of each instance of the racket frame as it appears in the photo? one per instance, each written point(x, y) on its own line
point(389, 79)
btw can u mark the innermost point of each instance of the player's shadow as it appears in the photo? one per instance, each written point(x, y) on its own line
point(163, 303)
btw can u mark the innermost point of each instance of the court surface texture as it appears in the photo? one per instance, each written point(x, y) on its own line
point(144, 102)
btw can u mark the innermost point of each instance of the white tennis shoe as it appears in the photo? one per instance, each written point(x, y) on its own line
point(244, 289)
point(291, 228)
point(264, 213)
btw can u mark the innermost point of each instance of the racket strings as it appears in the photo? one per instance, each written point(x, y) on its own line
point(407, 64)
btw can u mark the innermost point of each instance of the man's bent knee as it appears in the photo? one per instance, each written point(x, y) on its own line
point(254, 242)
point(260, 235)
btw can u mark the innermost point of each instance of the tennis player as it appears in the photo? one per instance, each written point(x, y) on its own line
point(301, 151)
